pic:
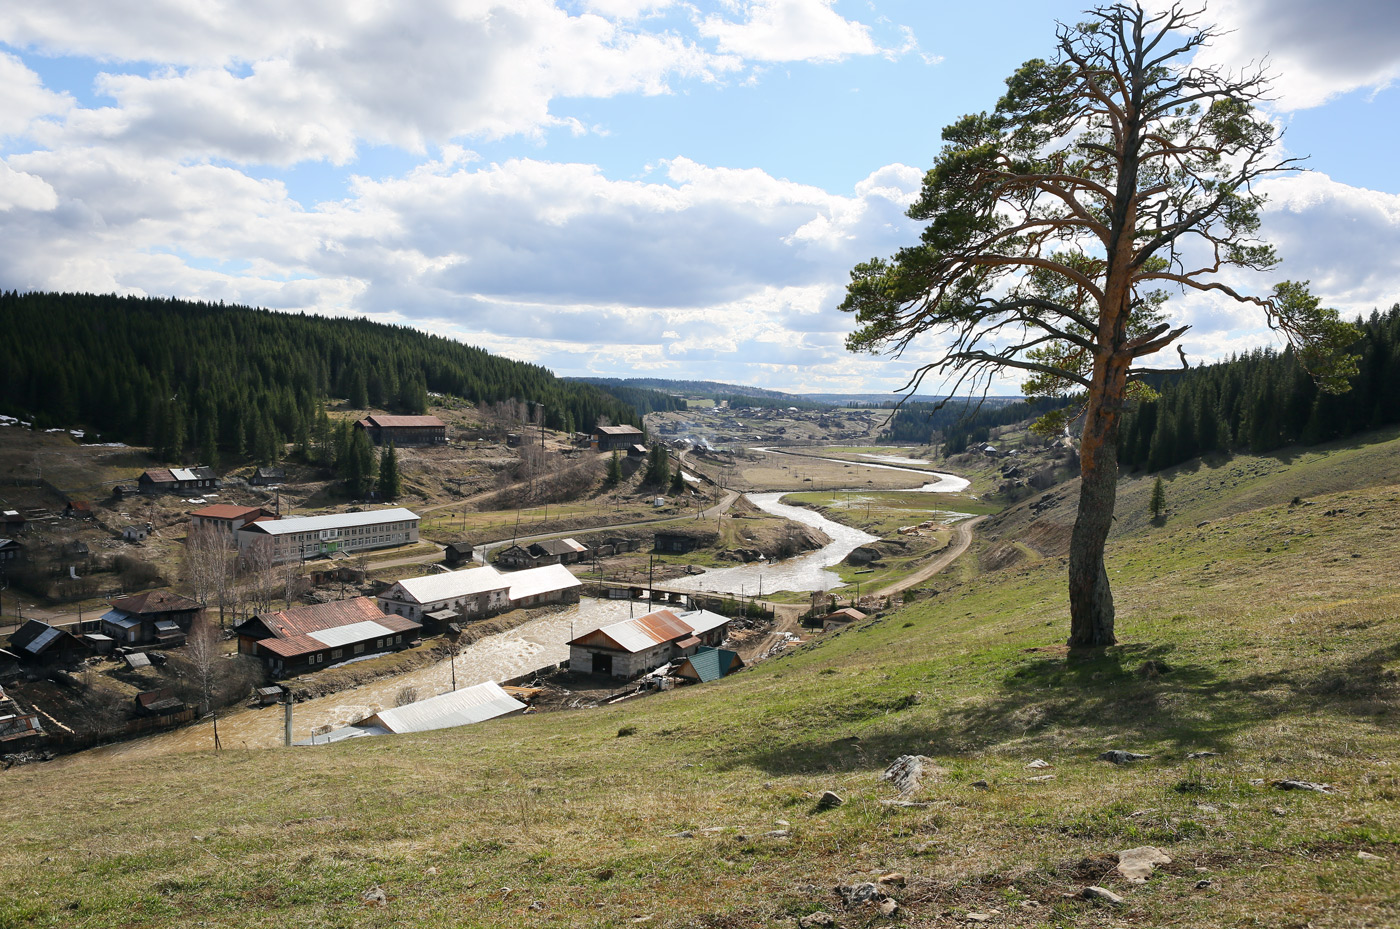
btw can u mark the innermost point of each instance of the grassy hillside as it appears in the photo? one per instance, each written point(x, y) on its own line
point(1269, 635)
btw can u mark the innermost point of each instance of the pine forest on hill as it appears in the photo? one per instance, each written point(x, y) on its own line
point(1263, 401)
point(183, 376)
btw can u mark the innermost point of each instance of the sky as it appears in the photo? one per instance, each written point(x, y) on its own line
point(624, 188)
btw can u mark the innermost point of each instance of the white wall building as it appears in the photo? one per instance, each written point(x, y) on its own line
point(469, 593)
point(303, 537)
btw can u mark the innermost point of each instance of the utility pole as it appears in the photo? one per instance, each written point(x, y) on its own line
point(287, 720)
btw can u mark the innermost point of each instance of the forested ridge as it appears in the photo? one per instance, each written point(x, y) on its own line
point(962, 421)
point(192, 377)
point(1262, 401)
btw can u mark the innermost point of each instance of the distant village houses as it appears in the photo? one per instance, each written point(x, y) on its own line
point(308, 638)
point(404, 430)
point(477, 592)
point(266, 477)
point(305, 537)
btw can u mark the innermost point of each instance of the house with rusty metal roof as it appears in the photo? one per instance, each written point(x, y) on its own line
point(309, 638)
point(640, 644)
point(227, 518)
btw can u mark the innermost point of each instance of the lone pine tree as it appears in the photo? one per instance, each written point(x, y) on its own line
point(1054, 225)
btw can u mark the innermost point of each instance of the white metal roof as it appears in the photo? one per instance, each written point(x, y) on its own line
point(703, 620)
point(120, 618)
point(535, 581)
point(456, 708)
point(337, 636)
point(331, 521)
point(452, 584)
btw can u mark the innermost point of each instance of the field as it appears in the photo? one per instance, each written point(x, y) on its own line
point(700, 807)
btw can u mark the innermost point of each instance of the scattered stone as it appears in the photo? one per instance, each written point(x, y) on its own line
point(375, 896)
point(1303, 785)
point(1135, 814)
point(1256, 782)
point(1039, 778)
point(1137, 864)
point(687, 834)
point(1102, 895)
point(1040, 763)
point(1368, 857)
point(829, 798)
point(817, 920)
point(711, 830)
point(643, 919)
point(777, 834)
point(781, 822)
point(856, 894)
point(1279, 811)
point(905, 804)
point(978, 917)
point(431, 871)
point(198, 838)
point(907, 772)
point(895, 878)
point(1194, 755)
point(1204, 884)
point(1029, 904)
point(888, 907)
point(1208, 808)
point(1118, 756)
point(981, 785)
point(536, 906)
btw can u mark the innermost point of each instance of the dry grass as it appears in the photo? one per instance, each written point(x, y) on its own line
point(1284, 662)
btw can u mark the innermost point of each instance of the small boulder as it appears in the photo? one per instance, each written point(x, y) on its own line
point(829, 798)
point(895, 879)
point(1039, 764)
point(1137, 864)
point(857, 894)
point(817, 920)
point(888, 907)
point(981, 785)
point(907, 772)
point(375, 896)
point(1368, 857)
point(1303, 785)
point(1103, 896)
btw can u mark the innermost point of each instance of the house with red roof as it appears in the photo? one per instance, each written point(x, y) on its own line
point(227, 519)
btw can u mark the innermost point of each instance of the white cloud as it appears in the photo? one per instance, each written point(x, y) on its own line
point(789, 30)
point(310, 82)
point(19, 190)
point(1314, 51)
point(23, 97)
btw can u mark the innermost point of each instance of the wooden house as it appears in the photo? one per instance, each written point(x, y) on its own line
point(308, 638)
point(178, 480)
point(37, 643)
point(709, 664)
point(615, 438)
point(404, 430)
point(641, 644)
point(266, 477)
point(157, 618)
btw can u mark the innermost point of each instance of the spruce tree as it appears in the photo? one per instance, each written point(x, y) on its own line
point(658, 466)
point(614, 469)
point(390, 483)
point(1158, 504)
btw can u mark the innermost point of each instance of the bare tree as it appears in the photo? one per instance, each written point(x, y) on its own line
point(261, 574)
point(1054, 223)
point(208, 566)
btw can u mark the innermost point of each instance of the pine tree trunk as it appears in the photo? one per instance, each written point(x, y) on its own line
point(1090, 598)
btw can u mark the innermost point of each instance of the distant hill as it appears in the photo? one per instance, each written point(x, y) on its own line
point(185, 376)
point(889, 400)
point(736, 394)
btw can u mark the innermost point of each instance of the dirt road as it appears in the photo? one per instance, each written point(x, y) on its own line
point(962, 538)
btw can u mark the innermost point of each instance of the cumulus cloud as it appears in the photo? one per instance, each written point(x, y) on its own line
point(24, 98)
point(312, 81)
point(19, 190)
point(1314, 52)
point(789, 30)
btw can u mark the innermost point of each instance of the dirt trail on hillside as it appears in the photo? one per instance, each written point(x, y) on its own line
point(962, 538)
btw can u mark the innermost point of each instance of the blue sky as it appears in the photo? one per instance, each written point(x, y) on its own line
point(612, 187)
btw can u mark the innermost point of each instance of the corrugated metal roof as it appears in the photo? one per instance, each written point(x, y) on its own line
point(644, 632)
point(183, 474)
point(120, 618)
point(160, 475)
point(42, 641)
point(348, 635)
point(457, 708)
point(620, 430)
point(710, 664)
point(560, 546)
point(300, 620)
point(138, 660)
point(226, 511)
point(535, 581)
point(332, 521)
point(447, 586)
point(155, 601)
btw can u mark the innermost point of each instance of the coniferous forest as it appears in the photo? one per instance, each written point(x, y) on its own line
point(204, 381)
point(1262, 401)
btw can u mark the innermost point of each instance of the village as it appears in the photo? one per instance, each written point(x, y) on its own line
point(207, 607)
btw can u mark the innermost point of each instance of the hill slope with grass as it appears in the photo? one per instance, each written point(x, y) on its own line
point(1268, 636)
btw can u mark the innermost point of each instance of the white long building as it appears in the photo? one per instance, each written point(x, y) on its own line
point(475, 592)
point(302, 537)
